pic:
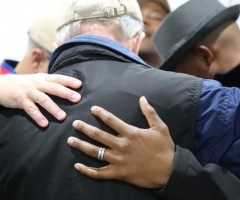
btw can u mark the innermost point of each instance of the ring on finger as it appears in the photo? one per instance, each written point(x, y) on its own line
point(101, 153)
point(37, 99)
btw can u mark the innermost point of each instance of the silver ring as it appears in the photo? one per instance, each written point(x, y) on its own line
point(101, 153)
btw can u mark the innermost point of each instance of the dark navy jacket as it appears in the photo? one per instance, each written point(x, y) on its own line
point(37, 163)
point(218, 121)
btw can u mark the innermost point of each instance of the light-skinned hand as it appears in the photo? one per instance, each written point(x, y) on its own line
point(25, 91)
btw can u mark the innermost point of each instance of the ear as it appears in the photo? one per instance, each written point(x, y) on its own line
point(37, 57)
point(137, 42)
point(205, 54)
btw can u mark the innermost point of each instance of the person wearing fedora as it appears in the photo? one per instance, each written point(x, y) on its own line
point(153, 12)
point(207, 43)
point(100, 40)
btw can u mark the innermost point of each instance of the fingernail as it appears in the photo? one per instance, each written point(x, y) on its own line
point(77, 82)
point(70, 141)
point(75, 123)
point(61, 115)
point(76, 97)
point(76, 166)
point(44, 123)
point(93, 108)
point(144, 99)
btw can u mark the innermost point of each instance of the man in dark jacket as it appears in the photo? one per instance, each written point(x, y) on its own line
point(207, 43)
point(38, 164)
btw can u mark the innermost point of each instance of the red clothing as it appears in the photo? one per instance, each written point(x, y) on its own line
point(7, 67)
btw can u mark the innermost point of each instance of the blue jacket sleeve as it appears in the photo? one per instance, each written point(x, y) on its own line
point(218, 126)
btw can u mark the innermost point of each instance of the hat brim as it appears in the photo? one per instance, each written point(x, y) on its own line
point(203, 30)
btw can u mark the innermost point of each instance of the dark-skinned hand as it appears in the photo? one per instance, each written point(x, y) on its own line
point(142, 157)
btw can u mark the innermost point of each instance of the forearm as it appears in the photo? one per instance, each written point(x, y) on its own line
point(190, 180)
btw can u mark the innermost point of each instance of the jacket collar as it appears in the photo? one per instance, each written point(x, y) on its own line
point(93, 39)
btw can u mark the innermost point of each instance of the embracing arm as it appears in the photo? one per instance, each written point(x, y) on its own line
point(190, 180)
point(24, 91)
point(148, 158)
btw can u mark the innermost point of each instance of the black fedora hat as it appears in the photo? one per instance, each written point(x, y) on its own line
point(187, 25)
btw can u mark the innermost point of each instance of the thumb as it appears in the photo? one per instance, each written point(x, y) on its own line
point(150, 113)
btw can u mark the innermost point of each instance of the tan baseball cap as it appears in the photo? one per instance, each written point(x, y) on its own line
point(43, 31)
point(69, 15)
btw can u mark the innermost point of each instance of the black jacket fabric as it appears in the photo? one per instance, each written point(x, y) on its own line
point(189, 180)
point(231, 78)
point(37, 163)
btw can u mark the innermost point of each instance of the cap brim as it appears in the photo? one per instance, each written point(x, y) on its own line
point(183, 47)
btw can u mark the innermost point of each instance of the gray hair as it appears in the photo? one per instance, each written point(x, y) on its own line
point(124, 25)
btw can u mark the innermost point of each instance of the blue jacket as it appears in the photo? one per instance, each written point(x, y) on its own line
point(218, 126)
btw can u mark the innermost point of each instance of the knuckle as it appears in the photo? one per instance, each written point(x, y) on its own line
point(119, 159)
point(123, 146)
point(151, 111)
point(57, 87)
point(92, 152)
point(108, 118)
point(18, 97)
point(134, 132)
point(59, 77)
point(43, 99)
point(30, 108)
point(76, 144)
point(164, 127)
point(96, 132)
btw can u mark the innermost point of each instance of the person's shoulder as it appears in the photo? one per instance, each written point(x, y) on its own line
point(208, 84)
point(215, 87)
